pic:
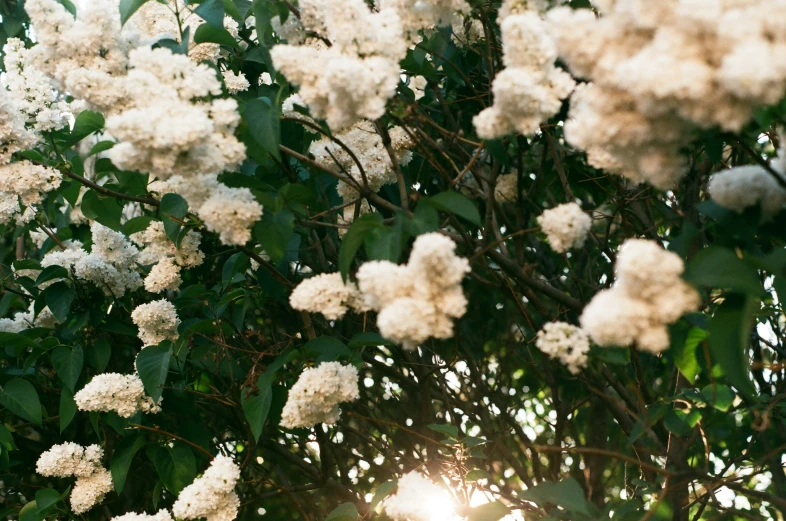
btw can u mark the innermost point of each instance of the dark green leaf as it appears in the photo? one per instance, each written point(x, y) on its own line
point(344, 512)
point(729, 340)
point(207, 33)
point(488, 512)
point(105, 210)
point(566, 494)
point(29, 512)
point(685, 358)
point(328, 348)
point(354, 239)
point(20, 397)
point(68, 364)
point(152, 364)
point(45, 498)
point(237, 264)
point(98, 353)
point(50, 273)
point(122, 458)
point(136, 224)
point(257, 406)
point(719, 396)
point(457, 204)
point(681, 422)
point(102, 146)
point(212, 12)
point(273, 232)
point(718, 267)
point(176, 466)
point(128, 8)
point(424, 220)
point(85, 124)
point(261, 116)
point(172, 206)
point(384, 243)
point(368, 338)
point(67, 409)
point(59, 297)
point(445, 428)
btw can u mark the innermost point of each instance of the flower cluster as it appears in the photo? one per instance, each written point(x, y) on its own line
point(122, 393)
point(419, 300)
point(366, 144)
point(161, 515)
point(426, 14)
point(316, 395)
point(417, 498)
point(327, 293)
point(659, 71)
point(27, 183)
point(26, 319)
point(167, 259)
point(211, 496)
point(566, 226)
point(111, 265)
point(565, 342)
point(157, 321)
point(70, 459)
point(648, 296)
point(530, 89)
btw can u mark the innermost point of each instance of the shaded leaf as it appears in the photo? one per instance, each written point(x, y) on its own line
point(457, 204)
point(152, 364)
point(20, 397)
point(68, 364)
point(122, 458)
point(729, 340)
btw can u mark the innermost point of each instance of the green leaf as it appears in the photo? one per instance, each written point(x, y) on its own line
point(68, 364)
point(384, 243)
point(445, 428)
point(101, 146)
point(29, 512)
point(488, 512)
point(172, 206)
point(136, 224)
point(685, 358)
point(273, 232)
point(207, 33)
point(50, 273)
point(59, 297)
point(45, 498)
point(257, 406)
point(718, 267)
point(105, 210)
point(212, 12)
point(128, 8)
point(263, 12)
point(176, 466)
point(85, 124)
point(681, 422)
point(566, 494)
point(368, 338)
point(6, 439)
point(152, 364)
point(476, 475)
point(328, 348)
point(261, 116)
point(383, 491)
point(729, 340)
point(98, 353)
point(719, 396)
point(16, 340)
point(232, 10)
point(354, 239)
point(67, 409)
point(20, 397)
point(236, 264)
point(343, 512)
point(457, 204)
point(122, 458)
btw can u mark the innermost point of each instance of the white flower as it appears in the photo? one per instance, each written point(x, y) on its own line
point(90, 490)
point(212, 495)
point(566, 226)
point(124, 394)
point(157, 321)
point(69, 459)
point(746, 186)
point(325, 293)
point(316, 395)
point(26, 182)
point(235, 82)
point(161, 515)
point(565, 342)
point(163, 275)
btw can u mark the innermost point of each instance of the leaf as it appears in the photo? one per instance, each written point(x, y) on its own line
point(105, 210)
point(59, 297)
point(343, 512)
point(329, 348)
point(136, 224)
point(476, 475)
point(152, 364)
point(685, 358)
point(172, 205)
point(566, 494)
point(719, 396)
point(128, 8)
point(718, 267)
point(50, 273)
point(212, 12)
point(729, 340)
point(457, 204)
point(256, 407)
point(368, 338)
point(45, 498)
point(354, 239)
point(122, 458)
point(29, 512)
point(488, 512)
point(68, 364)
point(236, 264)
point(176, 466)
point(384, 243)
point(20, 397)
point(261, 116)
point(382, 491)
point(681, 422)
point(97, 354)
point(67, 409)
point(232, 10)
point(85, 124)
point(102, 146)
point(273, 232)
point(446, 428)
point(263, 12)
point(207, 33)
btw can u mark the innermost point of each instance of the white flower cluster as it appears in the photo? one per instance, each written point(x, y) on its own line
point(530, 89)
point(649, 294)
point(746, 186)
point(417, 498)
point(426, 14)
point(167, 260)
point(161, 515)
point(27, 183)
point(111, 265)
point(157, 321)
point(211, 496)
point(565, 342)
point(660, 70)
point(566, 226)
point(366, 144)
point(419, 300)
point(70, 459)
point(122, 393)
point(25, 320)
point(327, 293)
point(14, 136)
point(354, 77)
point(235, 81)
point(316, 395)
point(31, 90)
